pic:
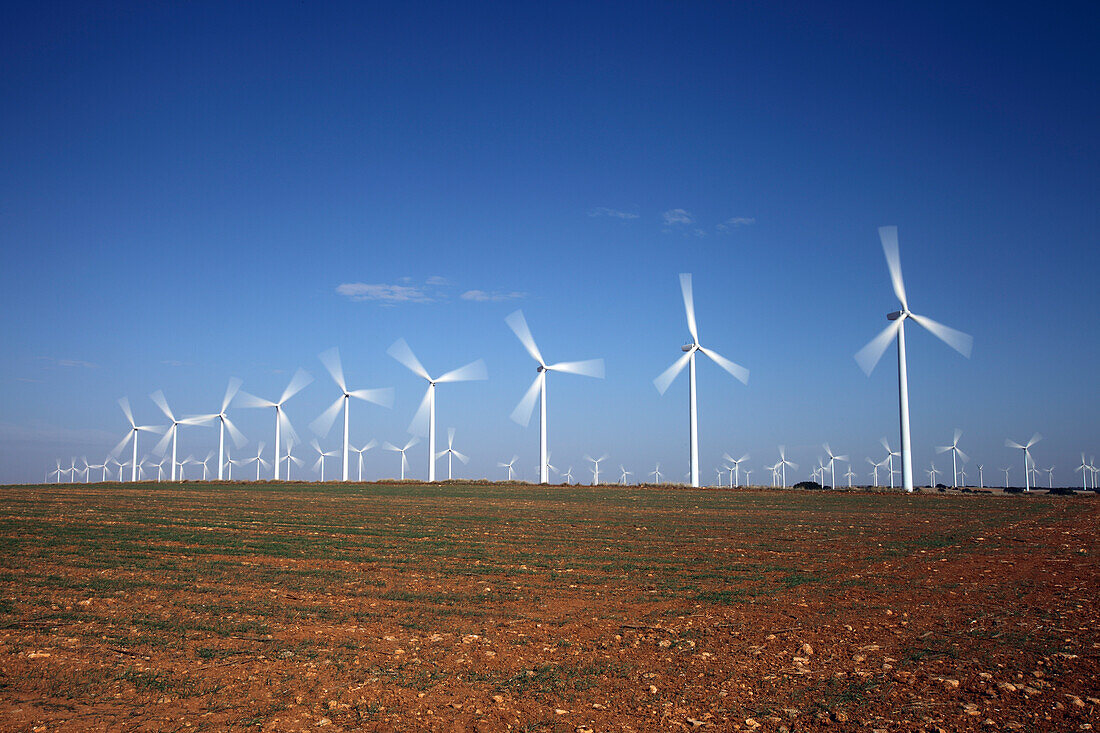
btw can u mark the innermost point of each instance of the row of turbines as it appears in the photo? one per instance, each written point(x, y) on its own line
point(424, 423)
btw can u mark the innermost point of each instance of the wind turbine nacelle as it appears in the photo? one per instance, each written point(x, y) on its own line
point(894, 316)
point(541, 368)
point(687, 347)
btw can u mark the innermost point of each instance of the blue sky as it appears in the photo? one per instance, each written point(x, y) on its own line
point(185, 189)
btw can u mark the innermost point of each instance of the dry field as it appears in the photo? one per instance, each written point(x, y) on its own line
point(511, 607)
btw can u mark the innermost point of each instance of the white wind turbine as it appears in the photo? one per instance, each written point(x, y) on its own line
point(849, 474)
point(537, 390)
point(832, 463)
point(1006, 469)
point(321, 455)
point(361, 451)
point(869, 355)
point(656, 473)
point(596, 468)
point(932, 475)
point(1028, 460)
point(955, 453)
point(748, 474)
point(404, 459)
point(890, 459)
point(781, 466)
point(981, 476)
point(291, 458)
point(258, 460)
point(451, 452)
point(1050, 477)
point(736, 466)
point(666, 377)
point(321, 426)
point(475, 370)
point(132, 433)
point(204, 463)
point(300, 379)
point(623, 474)
point(568, 476)
point(874, 470)
point(775, 474)
point(1083, 468)
point(173, 428)
point(224, 423)
point(510, 466)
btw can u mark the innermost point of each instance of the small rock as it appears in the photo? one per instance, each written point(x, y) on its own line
point(840, 716)
point(1030, 691)
point(971, 709)
point(559, 711)
point(807, 650)
point(323, 722)
point(951, 684)
point(583, 729)
point(1077, 702)
point(1007, 686)
point(498, 699)
point(751, 723)
point(653, 689)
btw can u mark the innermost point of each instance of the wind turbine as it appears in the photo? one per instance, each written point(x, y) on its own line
point(783, 463)
point(205, 461)
point(1006, 469)
point(124, 403)
point(451, 452)
point(596, 468)
point(58, 471)
point(173, 429)
point(1083, 468)
point(832, 463)
point(874, 470)
point(321, 455)
point(775, 474)
point(890, 453)
point(537, 390)
point(623, 474)
point(657, 474)
point(323, 423)
point(666, 377)
point(509, 465)
point(568, 476)
point(981, 477)
point(736, 465)
point(361, 451)
point(291, 458)
point(748, 473)
point(932, 475)
point(962, 475)
point(404, 460)
point(1028, 460)
point(869, 355)
point(1050, 477)
point(223, 423)
point(849, 474)
point(300, 379)
point(258, 460)
point(955, 452)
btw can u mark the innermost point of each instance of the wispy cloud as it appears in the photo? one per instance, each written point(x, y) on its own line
point(175, 363)
point(384, 293)
point(677, 216)
point(735, 223)
point(437, 280)
point(483, 296)
point(613, 213)
point(68, 363)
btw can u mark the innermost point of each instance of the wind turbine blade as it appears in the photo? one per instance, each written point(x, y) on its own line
point(400, 350)
point(291, 433)
point(245, 399)
point(412, 441)
point(382, 396)
point(461, 457)
point(198, 419)
point(743, 458)
point(122, 443)
point(419, 424)
point(158, 397)
point(665, 378)
point(942, 448)
point(738, 371)
point(522, 413)
point(794, 466)
point(331, 360)
point(518, 324)
point(473, 371)
point(230, 392)
point(1013, 444)
point(963, 456)
point(323, 423)
point(589, 368)
point(869, 355)
point(689, 304)
point(369, 445)
point(316, 445)
point(957, 340)
point(297, 383)
point(1034, 439)
point(317, 465)
point(389, 446)
point(236, 435)
point(124, 403)
point(162, 444)
point(450, 437)
point(958, 434)
point(841, 458)
point(889, 238)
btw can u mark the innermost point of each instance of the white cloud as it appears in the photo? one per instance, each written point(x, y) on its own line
point(736, 222)
point(70, 363)
point(383, 293)
point(677, 216)
point(614, 213)
point(481, 296)
point(437, 280)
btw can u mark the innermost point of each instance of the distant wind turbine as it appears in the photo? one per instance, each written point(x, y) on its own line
point(955, 453)
point(510, 465)
point(932, 475)
point(132, 433)
point(596, 468)
point(981, 476)
point(1028, 460)
point(849, 474)
point(568, 476)
point(656, 473)
point(832, 463)
point(1083, 468)
point(782, 465)
point(259, 459)
point(451, 452)
point(404, 459)
point(890, 453)
point(173, 428)
point(225, 423)
point(361, 451)
point(321, 455)
point(623, 474)
point(297, 383)
point(1006, 469)
point(869, 355)
point(736, 466)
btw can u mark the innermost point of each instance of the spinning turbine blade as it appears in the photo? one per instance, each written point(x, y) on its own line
point(162, 444)
point(400, 350)
point(473, 371)
point(1013, 444)
point(518, 324)
point(382, 396)
point(236, 435)
point(665, 378)
point(124, 403)
point(412, 441)
point(419, 424)
point(450, 437)
point(297, 383)
point(738, 371)
point(958, 434)
point(245, 399)
point(1034, 439)
point(889, 238)
point(461, 457)
point(869, 355)
point(331, 360)
point(588, 368)
point(122, 443)
point(158, 397)
point(323, 423)
point(957, 340)
point(689, 304)
point(230, 392)
point(291, 433)
point(526, 406)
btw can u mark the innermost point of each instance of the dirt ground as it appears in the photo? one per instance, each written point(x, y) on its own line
point(495, 607)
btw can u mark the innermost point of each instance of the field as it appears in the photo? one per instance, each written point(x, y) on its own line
point(492, 607)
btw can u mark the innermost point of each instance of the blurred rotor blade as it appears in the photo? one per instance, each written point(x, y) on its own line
point(1034, 439)
point(957, 340)
point(124, 403)
point(369, 445)
point(297, 461)
point(198, 419)
point(400, 350)
point(461, 457)
point(889, 238)
point(963, 456)
point(664, 379)
point(382, 396)
point(828, 450)
point(412, 441)
point(331, 360)
point(473, 371)
point(297, 383)
point(885, 444)
point(230, 392)
point(450, 437)
point(288, 428)
point(316, 446)
point(122, 443)
point(942, 448)
point(738, 371)
point(419, 424)
point(323, 423)
point(869, 355)
point(158, 397)
point(317, 465)
point(726, 457)
point(162, 444)
point(236, 435)
point(958, 434)
point(1013, 444)
point(689, 304)
point(389, 446)
point(244, 399)
point(841, 458)
point(588, 368)
point(518, 324)
point(743, 458)
point(522, 413)
point(794, 466)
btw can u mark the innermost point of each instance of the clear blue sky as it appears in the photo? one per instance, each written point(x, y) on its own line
point(185, 187)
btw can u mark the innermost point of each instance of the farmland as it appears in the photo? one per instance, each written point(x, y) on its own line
point(405, 606)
